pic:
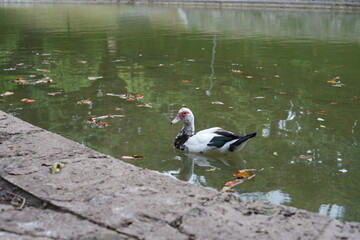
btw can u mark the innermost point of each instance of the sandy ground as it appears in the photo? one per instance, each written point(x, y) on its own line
point(98, 197)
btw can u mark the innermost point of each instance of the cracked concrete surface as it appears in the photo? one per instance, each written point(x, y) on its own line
point(98, 197)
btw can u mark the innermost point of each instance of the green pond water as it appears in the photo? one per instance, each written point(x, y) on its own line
point(290, 76)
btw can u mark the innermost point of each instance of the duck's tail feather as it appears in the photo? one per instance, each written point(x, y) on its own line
point(239, 144)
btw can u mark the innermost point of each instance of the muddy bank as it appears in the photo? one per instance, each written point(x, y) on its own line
point(98, 197)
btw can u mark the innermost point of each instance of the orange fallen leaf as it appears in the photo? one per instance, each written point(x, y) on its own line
point(185, 81)
point(243, 173)
point(333, 103)
point(138, 156)
point(130, 99)
point(139, 96)
point(228, 184)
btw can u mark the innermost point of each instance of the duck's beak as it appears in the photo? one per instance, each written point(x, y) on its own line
point(176, 119)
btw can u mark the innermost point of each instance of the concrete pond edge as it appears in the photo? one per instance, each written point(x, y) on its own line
point(95, 196)
point(296, 4)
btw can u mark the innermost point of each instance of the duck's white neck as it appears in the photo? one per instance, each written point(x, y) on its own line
point(189, 127)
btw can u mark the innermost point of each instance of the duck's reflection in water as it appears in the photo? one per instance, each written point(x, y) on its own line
point(191, 160)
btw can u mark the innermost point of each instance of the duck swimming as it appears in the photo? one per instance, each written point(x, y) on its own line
point(210, 140)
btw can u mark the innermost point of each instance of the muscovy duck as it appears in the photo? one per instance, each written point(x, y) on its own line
point(206, 141)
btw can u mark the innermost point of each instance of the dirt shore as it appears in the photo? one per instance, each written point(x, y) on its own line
point(95, 196)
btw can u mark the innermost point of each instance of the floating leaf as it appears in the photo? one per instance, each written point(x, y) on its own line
point(122, 96)
point(210, 170)
point(6, 94)
point(185, 81)
point(44, 80)
point(20, 81)
point(132, 157)
point(306, 156)
point(56, 167)
point(230, 183)
point(161, 65)
point(241, 174)
point(83, 62)
point(96, 123)
point(42, 70)
point(237, 71)
point(85, 101)
point(146, 105)
point(95, 78)
point(338, 85)
point(54, 93)
point(275, 154)
point(27, 100)
point(322, 126)
point(217, 103)
point(108, 116)
point(277, 76)
point(333, 103)
point(139, 96)
point(249, 77)
point(323, 112)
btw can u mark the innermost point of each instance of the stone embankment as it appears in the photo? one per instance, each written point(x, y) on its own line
point(317, 4)
point(96, 196)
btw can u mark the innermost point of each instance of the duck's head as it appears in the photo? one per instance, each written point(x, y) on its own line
point(185, 115)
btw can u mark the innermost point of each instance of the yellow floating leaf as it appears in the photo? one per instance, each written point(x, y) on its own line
point(322, 126)
point(210, 170)
point(7, 94)
point(275, 154)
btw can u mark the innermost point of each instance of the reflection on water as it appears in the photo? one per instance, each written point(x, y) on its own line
point(291, 76)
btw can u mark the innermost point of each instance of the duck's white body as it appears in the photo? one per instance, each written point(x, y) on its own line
point(209, 140)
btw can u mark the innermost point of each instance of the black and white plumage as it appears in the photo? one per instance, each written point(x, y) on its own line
point(206, 141)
